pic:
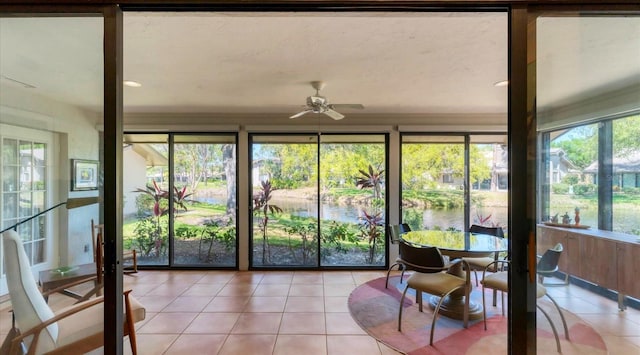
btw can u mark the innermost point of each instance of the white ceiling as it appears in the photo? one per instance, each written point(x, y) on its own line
point(262, 63)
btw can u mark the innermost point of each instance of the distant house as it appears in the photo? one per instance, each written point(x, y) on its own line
point(499, 160)
point(560, 166)
point(626, 171)
point(137, 157)
point(258, 171)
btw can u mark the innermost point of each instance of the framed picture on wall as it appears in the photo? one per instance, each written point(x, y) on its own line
point(84, 175)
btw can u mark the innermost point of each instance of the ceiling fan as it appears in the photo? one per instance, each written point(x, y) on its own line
point(320, 104)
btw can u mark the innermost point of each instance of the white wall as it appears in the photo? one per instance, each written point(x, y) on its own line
point(136, 177)
point(78, 138)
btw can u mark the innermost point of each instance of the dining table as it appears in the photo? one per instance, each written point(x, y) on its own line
point(456, 245)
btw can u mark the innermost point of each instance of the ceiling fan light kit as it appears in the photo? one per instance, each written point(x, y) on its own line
point(319, 104)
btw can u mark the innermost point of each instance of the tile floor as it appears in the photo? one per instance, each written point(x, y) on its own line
point(297, 312)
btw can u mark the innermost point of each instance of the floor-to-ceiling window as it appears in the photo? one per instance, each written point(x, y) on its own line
point(321, 193)
point(488, 180)
point(435, 192)
point(180, 199)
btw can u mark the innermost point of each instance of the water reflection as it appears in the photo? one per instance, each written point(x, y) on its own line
point(429, 218)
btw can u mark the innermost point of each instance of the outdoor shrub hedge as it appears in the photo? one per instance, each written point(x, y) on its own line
point(560, 188)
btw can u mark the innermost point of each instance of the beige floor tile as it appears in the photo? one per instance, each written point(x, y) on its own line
point(620, 345)
point(306, 290)
point(633, 340)
point(304, 304)
point(307, 277)
point(246, 277)
point(338, 277)
point(185, 276)
point(202, 289)
point(171, 323)
point(254, 344)
point(217, 278)
point(196, 344)
point(153, 277)
point(302, 323)
point(266, 304)
point(612, 324)
point(257, 323)
point(352, 344)
point(147, 317)
point(301, 344)
point(277, 277)
point(138, 290)
point(342, 323)
point(168, 290)
point(188, 304)
point(338, 289)
point(273, 289)
point(155, 303)
point(213, 323)
point(227, 304)
point(579, 306)
point(237, 289)
point(386, 350)
point(151, 344)
point(334, 304)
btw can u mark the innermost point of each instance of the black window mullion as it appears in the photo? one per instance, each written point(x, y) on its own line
point(605, 175)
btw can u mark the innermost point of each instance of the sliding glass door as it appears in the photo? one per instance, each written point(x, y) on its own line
point(318, 200)
point(587, 112)
point(180, 199)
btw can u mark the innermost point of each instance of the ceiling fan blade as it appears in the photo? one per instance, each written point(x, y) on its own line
point(333, 114)
point(351, 106)
point(300, 114)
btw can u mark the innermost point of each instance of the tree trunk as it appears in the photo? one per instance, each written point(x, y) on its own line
point(228, 156)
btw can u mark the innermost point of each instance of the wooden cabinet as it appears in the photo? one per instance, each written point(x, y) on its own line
point(607, 259)
point(547, 239)
point(628, 256)
point(572, 257)
point(598, 261)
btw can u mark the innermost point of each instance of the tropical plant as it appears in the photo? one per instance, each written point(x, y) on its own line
point(371, 179)
point(481, 220)
point(308, 232)
point(214, 232)
point(150, 236)
point(180, 197)
point(371, 231)
point(334, 236)
point(263, 208)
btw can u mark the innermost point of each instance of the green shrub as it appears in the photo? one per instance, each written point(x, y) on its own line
point(631, 190)
point(144, 204)
point(584, 189)
point(570, 179)
point(186, 231)
point(560, 188)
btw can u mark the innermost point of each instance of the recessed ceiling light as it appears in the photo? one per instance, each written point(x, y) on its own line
point(502, 83)
point(131, 83)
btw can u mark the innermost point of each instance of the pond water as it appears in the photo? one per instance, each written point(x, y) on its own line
point(431, 218)
point(625, 219)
